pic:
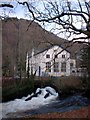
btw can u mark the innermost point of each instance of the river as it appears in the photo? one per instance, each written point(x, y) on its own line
point(43, 101)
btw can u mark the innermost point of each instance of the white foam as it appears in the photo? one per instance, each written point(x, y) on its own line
point(22, 105)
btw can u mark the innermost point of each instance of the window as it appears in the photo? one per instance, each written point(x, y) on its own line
point(56, 67)
point(55, 50)
point(63, 67)
point(71, 65)
point(48, 66)
point(63, 56)
point(73, 71)
point(56, 56)
point(47, 56)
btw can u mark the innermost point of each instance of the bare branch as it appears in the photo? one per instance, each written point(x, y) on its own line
point(53, 15)
point(6, 5)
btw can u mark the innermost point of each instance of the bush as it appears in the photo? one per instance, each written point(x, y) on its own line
point(17, 89)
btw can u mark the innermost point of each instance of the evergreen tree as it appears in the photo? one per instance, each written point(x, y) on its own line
point(85, 64)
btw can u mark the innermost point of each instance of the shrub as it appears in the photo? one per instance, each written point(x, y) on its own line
point(17, 90)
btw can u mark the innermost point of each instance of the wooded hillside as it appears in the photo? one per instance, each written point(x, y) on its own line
point(19, 36)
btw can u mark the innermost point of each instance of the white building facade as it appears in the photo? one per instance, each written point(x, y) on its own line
point(54, 61)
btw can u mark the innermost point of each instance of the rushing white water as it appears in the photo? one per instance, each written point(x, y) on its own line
point(18, 105)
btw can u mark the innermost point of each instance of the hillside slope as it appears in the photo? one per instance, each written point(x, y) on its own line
point(19, 36)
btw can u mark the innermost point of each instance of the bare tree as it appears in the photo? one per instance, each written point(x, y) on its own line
point(69, 17)
point(72, 17)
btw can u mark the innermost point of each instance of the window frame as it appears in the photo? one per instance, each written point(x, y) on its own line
point(71, 65)
point(63, 56)
point(56, 56)
point(63, 67)
point(47, 55)
point(56, 67)
point(48, 66)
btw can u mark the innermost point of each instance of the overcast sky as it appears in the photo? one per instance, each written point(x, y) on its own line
point(20, 11)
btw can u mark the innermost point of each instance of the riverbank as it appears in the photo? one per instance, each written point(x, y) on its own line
point(79, 113)
point(16, 88)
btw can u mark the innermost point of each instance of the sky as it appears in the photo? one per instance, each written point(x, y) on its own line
point(20, 11)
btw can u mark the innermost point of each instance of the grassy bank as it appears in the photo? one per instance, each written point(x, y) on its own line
point(12, 88)
point(63, 85)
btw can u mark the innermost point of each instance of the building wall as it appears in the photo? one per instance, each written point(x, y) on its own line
point(38, 62)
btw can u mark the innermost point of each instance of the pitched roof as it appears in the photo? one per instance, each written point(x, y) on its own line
point(30, 36)
point(46, 49)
